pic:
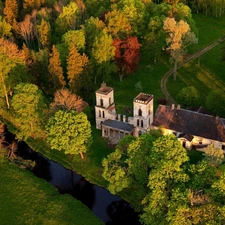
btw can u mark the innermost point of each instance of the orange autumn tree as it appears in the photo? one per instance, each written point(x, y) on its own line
point(127, 55)
point(75, 67)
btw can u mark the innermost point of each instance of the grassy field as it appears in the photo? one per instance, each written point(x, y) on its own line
point(26, 199)
point(207, 72)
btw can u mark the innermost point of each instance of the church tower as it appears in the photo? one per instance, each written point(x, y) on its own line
point(143, 112)
point(105, 106)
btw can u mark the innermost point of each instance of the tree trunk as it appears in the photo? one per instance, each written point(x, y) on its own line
point(175, 70)
point(5, 91)
point(82, 155)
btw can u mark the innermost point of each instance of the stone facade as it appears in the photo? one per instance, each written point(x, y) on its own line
point(115, 126)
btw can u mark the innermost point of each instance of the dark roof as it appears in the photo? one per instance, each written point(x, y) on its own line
point(143, 98)
point(115, 124)
point(188, 137)
point(104, 89)
point(190, 122)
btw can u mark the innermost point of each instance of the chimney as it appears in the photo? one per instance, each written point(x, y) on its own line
point(173, 106)
point(178, 106)
point(124, 118)
point(119, 117)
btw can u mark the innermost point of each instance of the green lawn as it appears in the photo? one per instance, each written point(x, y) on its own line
point(26, 199)
point(209, 74)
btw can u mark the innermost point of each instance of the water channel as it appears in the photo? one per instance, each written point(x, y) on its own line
point(111, 209)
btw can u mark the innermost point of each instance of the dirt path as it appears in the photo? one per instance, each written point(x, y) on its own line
point(188, 59)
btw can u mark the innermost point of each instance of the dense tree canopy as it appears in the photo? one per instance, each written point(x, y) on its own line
point(28, 107)
point(69, 132)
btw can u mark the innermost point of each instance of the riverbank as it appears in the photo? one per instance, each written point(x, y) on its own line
point(26, 199)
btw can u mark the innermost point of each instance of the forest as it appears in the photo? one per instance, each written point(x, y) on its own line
point(53, 56)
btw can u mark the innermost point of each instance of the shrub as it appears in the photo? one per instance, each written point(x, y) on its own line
point(215, 102)
point(188, 97)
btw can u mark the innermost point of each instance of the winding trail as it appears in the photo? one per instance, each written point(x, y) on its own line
point(188, 59)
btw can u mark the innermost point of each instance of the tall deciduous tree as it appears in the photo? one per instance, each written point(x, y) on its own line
point(26, 30)
point(127, 55)
point(56, 79)
point(75, 67)
point(29, 5)
point(103, 53)
point(167, 158)
point(11, 10)
point(74, 37)
point(117, 24)
point(92, 27)
point(69, 132)
point(68, 19)
point(44, 33)
point(179, 37)
point(66, 100)
point(28, 105)
point(10, 57)
point(5, 28)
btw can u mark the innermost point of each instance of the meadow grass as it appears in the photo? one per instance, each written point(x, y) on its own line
point(207, 72)
point(26, 199)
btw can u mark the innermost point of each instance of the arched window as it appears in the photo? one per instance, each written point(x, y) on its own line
point(139, 112)
point(103, 114)
point(99, 113)
point(137, 122)
point(109, 100)
point(142, 123)
point(101, 102)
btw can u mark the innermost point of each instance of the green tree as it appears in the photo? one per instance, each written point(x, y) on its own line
point(215, 102)
point(68, 18)
point(5, 28)
point(117, 24)
point(189, 97)
point(154, 39)
point(74, 37)
point(56, 79)
point(96, 7)
point(136, 12)
point(92, 27)
point(69, 132)
point(214, 155)
point(28, 107)
point(103, 53)
point(44, 33)
point(167, 158)
point(75, 67)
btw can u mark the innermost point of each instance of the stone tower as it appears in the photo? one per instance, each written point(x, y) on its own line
point(143, 112)
point(105, 106)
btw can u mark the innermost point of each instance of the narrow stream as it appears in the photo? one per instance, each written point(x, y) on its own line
point(111, 209)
